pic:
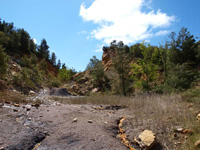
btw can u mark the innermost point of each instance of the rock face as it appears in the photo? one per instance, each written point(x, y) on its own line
point(147, 139)
point(107, 56)
point(59, 92)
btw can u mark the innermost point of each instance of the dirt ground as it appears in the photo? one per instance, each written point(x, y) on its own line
point(59, 127)
point(75, 123)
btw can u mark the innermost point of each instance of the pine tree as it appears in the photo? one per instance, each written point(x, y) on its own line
point(24, 41)
point(43, 49)
point(53, 59)
point(58, 64)
point(122, 67)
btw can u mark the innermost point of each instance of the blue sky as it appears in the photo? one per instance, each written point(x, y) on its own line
point(76, 30)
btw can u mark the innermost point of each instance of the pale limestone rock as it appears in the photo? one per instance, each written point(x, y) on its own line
point(75, 120)
point(90, 121)
point(31, 93)
point(95, 90)
point(198, 117)
point(16, 105)
point(197, 143)
point(148, 139)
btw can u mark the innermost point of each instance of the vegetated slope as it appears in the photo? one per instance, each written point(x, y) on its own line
point(124, 70)
point(24, 65)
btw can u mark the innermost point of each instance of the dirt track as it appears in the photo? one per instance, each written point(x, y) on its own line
point(52, 127)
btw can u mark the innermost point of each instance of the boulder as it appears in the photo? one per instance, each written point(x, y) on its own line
point(189, 105)
point(180, 130)
point(31, 93)
point(197, 144)
point(15, 110)
point(28, 108)
point(16, 105)
point(198, 117)
point(1, 105)
point(95, 90)
point(90, 121)
point(78, 74)
point(147, 139)
point(75, 120)
point(7, 102)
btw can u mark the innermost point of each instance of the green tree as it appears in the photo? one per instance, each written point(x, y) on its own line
point(92, 63)
point(136, 51)
point(5, 27)
point(64, 66)
point(3, 62)
point(145, 71)
point(43, 65)
point(122, 67)
point(65, 74)
point(53, 59)
point(24, 41)
point(180, 77)
point(97, 73)
point(58, 64)
point(14, 43)
point(43, 49)
point(99, 77)
point(165, 59)
point(183, 48)
point(32, 46)
point(4, 39)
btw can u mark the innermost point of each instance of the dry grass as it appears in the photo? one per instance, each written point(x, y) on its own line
point(160, 113)
point(96, 100)
point(13, 97)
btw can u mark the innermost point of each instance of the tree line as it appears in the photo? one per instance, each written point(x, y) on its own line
point(34, 59)
point(18, 41)
point(171, 67)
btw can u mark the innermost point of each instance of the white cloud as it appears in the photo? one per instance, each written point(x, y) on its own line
point(34, 40)
point(162, 32)
point(82, 32)
point(99, 48)
point(124, 20)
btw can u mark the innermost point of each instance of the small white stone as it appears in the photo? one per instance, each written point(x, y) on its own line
point(2, 148)
point(75, 120)
point(89, 121)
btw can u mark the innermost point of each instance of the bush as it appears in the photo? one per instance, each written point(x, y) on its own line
point(43, 65)
point(191, 95)
point(3, 62)
point(55, 83)
point(65, 75)
point(28, 79)
point(29, 62)
point(180, 77)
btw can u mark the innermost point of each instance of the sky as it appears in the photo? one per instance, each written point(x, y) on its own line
point(76, 30)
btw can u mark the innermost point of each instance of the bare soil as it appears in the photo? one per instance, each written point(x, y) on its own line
point(91, 123)
point(54, 127)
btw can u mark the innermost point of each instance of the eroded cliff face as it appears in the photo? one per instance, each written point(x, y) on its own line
point(107, 56)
